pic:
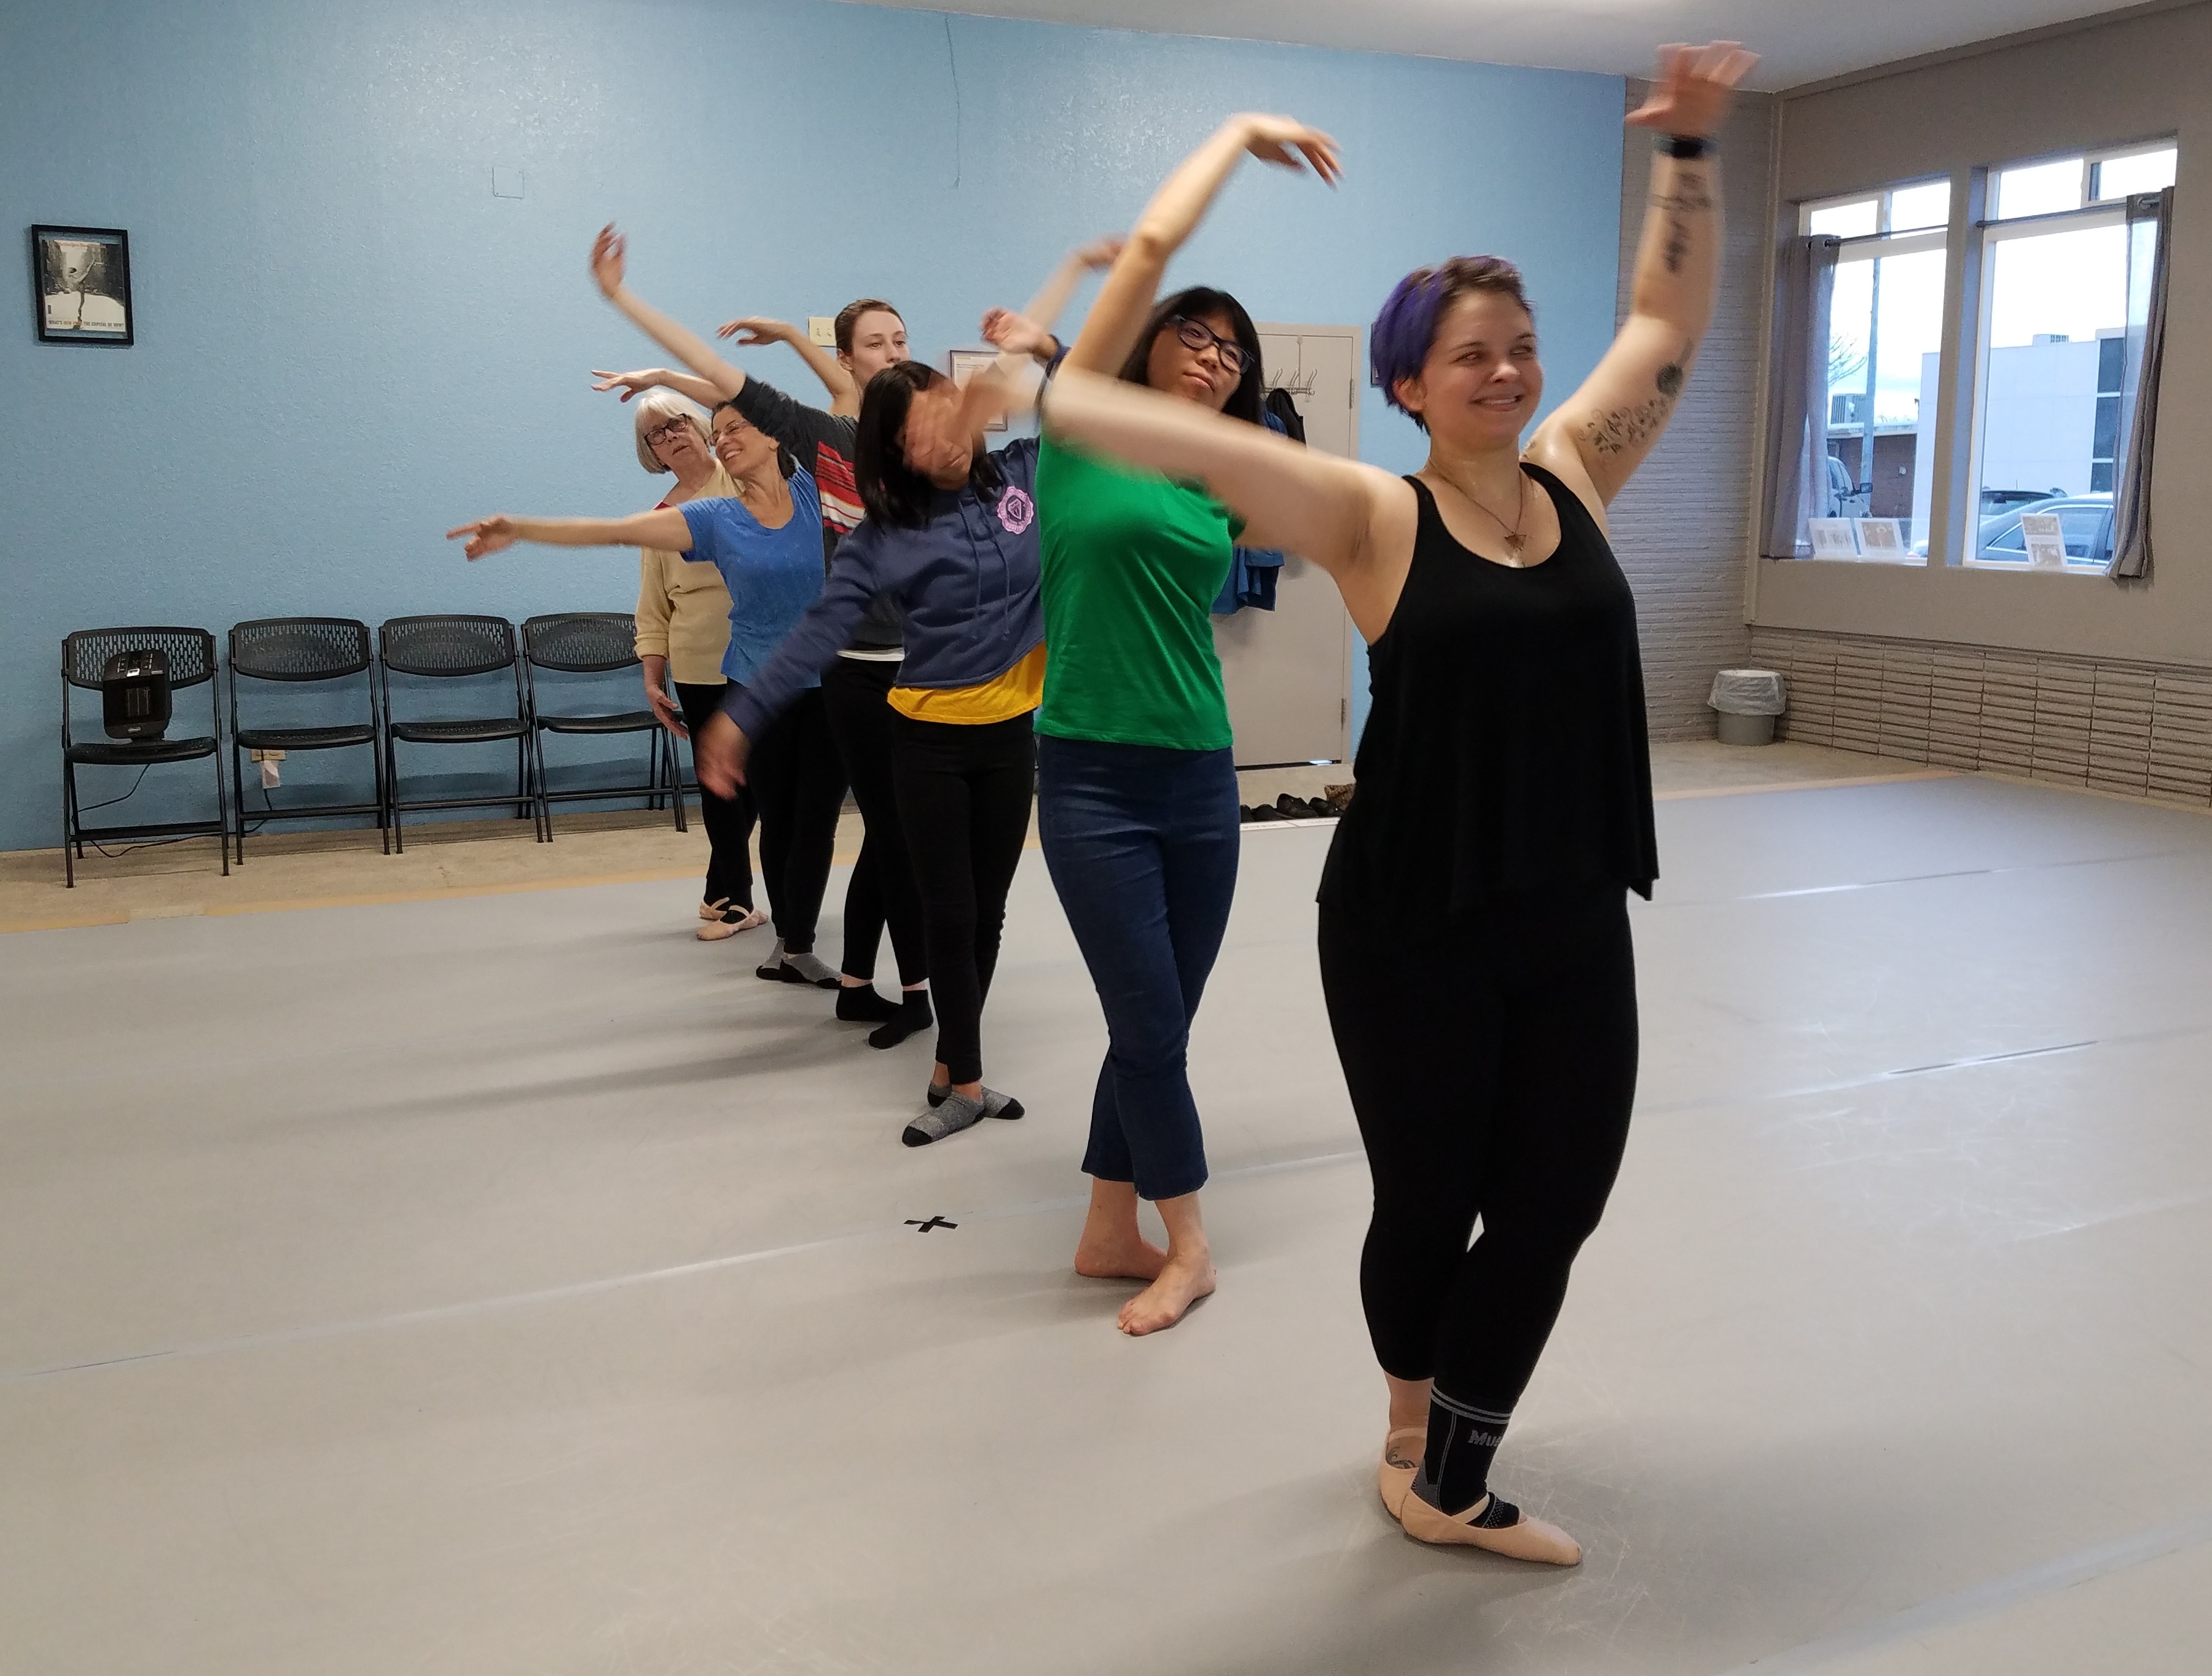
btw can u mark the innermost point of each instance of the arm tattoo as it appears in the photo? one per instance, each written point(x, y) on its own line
point(1688, 198)
point(1628, 428)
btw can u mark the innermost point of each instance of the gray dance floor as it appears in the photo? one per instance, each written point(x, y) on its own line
point(516, 1284)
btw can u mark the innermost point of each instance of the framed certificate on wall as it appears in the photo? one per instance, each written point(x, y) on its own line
point(81, 284)
point(964, 364)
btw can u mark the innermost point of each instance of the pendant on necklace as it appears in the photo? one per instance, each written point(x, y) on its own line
point(1513, 545)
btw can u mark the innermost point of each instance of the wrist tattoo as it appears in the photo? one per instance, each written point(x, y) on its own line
point(1690, 199)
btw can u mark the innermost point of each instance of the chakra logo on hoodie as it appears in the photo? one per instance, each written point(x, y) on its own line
point(1016, 512)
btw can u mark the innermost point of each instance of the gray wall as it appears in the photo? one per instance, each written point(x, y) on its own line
point(2134, 79)
point(1680, 525)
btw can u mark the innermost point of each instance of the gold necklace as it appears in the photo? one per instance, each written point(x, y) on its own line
point(1514, 541)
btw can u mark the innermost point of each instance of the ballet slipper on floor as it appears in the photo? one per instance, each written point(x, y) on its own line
point(1525, 1539)
point(729, 921)
point(1402, 1460)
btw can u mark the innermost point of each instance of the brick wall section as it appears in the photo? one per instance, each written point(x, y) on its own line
point(1683, 524)
point(2142, 729)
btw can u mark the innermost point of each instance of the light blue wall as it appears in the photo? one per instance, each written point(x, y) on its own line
point(347, 343)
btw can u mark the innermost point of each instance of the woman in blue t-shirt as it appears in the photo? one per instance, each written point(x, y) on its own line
point(767, 542)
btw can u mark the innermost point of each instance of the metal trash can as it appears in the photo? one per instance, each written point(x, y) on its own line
point(1746, 702)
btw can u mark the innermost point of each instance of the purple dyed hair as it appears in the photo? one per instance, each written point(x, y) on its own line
point(1399, 342)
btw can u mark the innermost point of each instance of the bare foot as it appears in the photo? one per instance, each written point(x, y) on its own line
point(1124, 1255)
point(1180, 1283)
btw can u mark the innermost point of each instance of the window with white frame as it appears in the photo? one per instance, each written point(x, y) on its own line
point(2056, 351)
point(1885, 353)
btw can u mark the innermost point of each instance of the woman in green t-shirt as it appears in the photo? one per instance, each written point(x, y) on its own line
point(1136, 786)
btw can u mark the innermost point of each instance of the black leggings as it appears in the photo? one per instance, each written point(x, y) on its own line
point(1492, 1067)
point(799, 787)
point(728, 821)
point(964, 794)
point(854, 692)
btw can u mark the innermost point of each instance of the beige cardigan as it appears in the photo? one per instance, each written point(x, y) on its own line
point(683, 608)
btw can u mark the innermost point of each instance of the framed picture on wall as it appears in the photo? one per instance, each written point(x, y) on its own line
point(964, 364)
point(81, 284)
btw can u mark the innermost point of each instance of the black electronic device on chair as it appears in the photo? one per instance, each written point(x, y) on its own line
point(134, 694)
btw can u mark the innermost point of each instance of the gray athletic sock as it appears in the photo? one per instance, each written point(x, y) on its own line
point(995, 1104)
point(949, 1116)
point(811, 969)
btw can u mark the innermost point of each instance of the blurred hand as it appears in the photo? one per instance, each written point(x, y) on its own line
point(1693, 89)
point(754, 329)
point(939, 437)
point(1101, 252)
point(486, 535)
point(1289, 143)
point(719, 754)
point(630, 384)
point(609, 251)
point(1016, 334)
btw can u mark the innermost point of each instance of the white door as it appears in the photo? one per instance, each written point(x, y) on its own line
point(1288, 670)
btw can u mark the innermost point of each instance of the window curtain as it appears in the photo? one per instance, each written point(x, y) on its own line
point(2150, 214)
point(1797, 447)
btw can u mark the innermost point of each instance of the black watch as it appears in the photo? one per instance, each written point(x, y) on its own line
point(1685, 146)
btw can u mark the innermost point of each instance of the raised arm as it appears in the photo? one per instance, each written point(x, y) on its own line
point(609, 251)
point(1606, 430)
point(1338, 513)
point(844, 389)
point(663, 527)
point(1118, 316)
point(658, 378)
point(1030, 331)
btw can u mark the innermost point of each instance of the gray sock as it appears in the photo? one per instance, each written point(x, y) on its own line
point(949, 1116)
point(995, 1104)
point(811, 969)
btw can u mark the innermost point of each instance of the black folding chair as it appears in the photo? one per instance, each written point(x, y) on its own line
point(592, 643)
point(303, 649)
point(455, 647)
point(191, 654)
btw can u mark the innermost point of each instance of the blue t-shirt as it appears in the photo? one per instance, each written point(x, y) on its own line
point(774, 575)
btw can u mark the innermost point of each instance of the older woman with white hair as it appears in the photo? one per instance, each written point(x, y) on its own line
point(683, 629)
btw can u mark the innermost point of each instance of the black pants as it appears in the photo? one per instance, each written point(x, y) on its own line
point(798, 786)
point(854, 692)
point(1492, 1066)
point(728, 821)
point(963, 795)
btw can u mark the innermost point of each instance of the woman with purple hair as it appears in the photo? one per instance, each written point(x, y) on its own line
point(1474, 939)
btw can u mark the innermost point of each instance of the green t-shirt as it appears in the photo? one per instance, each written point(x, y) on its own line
point(1132, 564)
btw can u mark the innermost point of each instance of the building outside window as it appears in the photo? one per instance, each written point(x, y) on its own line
point(2062, 275)
point(1885, 343)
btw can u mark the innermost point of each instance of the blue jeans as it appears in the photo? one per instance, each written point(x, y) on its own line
point(1142, 845)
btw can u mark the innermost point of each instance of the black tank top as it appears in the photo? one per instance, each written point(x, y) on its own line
point(1506, 747)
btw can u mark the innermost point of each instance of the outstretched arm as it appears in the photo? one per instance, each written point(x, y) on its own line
point(1118, 316)
point(1298, 499)
point(1030, 332)
point(844, 389)
point(663, 527)
point(657, 378)
point(1607, 429)
point(608, 253)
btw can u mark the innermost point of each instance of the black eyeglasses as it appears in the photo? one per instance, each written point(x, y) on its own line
point(667, 433)
point(1197, 335)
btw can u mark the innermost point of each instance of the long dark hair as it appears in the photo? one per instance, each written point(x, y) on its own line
point(894, 493)
point(1196, 303)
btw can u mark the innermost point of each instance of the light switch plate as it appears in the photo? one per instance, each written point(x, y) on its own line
point(822, 329)
point(506, 180)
